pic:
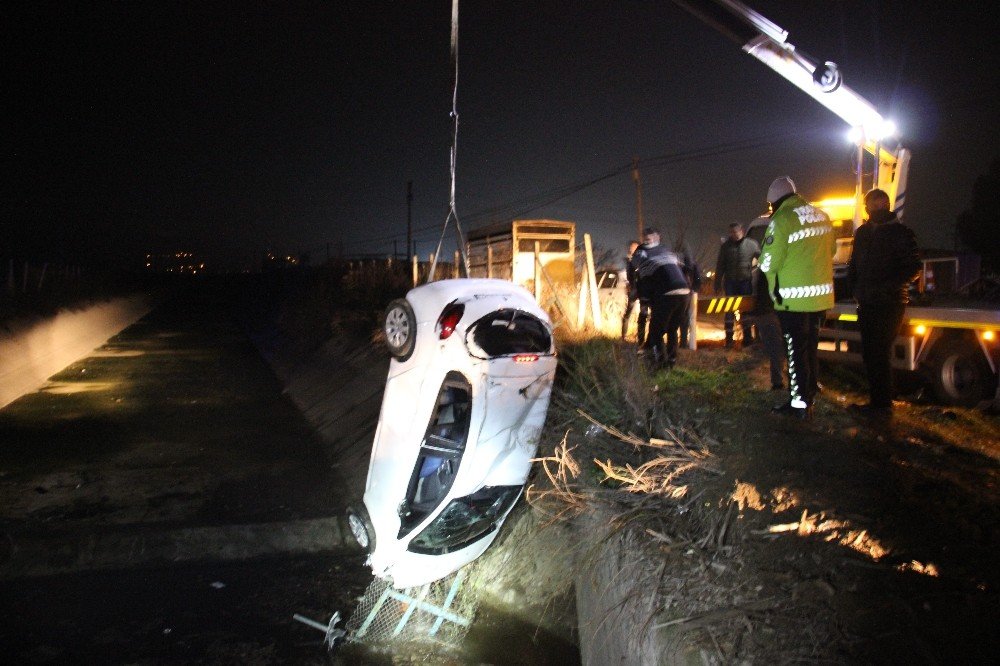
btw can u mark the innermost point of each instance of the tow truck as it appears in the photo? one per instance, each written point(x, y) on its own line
point(949, 339)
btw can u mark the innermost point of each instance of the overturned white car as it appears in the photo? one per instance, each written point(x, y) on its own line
point(464, 405)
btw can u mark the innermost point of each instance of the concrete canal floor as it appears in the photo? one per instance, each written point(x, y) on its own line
point(163, 501)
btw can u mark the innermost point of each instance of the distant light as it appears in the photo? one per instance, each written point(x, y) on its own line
point(919, 329)
point(989, 336)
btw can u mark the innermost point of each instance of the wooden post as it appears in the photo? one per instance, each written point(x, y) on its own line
point(595, 304)
point(455, 272)
point(693, 322)
point(638, 198)
point(489, 259)
point(416, 269)
point(538, 272)
point(430, 262)
point(581, 306)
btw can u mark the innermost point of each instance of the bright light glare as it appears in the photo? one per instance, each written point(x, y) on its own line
point(886, 129)
point(989, 336)
point(920, 329)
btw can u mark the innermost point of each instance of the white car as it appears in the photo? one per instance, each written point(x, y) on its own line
point(464, 405)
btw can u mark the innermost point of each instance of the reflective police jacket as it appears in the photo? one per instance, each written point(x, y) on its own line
point(797, 257)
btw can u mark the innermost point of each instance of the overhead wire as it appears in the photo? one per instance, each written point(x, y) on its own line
point(531, 202)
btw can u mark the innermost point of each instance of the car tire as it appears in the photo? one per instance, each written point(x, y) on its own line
point(400, 328)
point(961, 374)
point(361, 528)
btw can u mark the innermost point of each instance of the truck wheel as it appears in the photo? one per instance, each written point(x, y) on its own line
point(961, 374)
point(400, 328)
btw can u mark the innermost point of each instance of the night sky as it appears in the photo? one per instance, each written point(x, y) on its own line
point(230, 129)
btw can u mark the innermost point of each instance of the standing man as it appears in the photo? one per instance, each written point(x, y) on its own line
point(798, 262)
point(632, 290)
point(663, 284)
point(884, 261)
point(734, 275)
point(693, 274)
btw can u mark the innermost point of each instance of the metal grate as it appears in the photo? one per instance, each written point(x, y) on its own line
point(433, 612)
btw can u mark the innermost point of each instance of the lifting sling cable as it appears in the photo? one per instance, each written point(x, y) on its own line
point(452, 213)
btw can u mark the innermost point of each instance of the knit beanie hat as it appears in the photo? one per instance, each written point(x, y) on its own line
point(781, 187)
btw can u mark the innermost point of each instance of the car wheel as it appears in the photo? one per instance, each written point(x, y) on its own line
point(961, 375)
point(400, 328)
point(361, 527)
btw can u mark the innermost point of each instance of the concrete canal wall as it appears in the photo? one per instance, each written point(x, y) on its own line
point(33, 351)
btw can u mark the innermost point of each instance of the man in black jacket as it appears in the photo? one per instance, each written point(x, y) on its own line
point(884, 261)
point(734, 276)
point(661, 281)
point(632, 290)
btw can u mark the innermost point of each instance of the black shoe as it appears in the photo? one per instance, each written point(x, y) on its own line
point(801, 413)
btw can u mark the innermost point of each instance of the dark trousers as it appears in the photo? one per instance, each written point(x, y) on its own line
point(643, 316)
point(665, 318)
point(686, 320)
point(879, 323)
point(737, 288)
point(769, 332)
point(801, 333)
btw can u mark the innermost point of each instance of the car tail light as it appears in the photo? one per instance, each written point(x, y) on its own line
point(449, 319)
point(525, 358)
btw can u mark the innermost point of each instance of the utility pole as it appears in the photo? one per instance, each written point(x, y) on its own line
point(409, 220)
point(640, 224)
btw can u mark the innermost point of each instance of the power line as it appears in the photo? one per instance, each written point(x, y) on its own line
point(519, 207)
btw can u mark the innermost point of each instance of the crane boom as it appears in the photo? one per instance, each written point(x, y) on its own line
point(768, 43)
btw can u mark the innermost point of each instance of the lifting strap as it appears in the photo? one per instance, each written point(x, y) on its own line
point(452, 213)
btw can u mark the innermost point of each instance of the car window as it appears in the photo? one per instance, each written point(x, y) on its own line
point(508, 331)
point(465, 520)
point(440, 451)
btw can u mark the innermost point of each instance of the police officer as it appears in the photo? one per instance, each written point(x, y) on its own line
point(797, 259)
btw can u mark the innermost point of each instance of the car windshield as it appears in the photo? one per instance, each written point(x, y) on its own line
point(508, 331)
point(465, 520)
point(440, 451)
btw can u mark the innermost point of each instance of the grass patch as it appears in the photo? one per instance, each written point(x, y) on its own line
point(703, 381)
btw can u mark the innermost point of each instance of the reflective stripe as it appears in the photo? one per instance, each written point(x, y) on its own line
point(809, 232)
point(724, 304)
point(806, 292)
point(793, 377)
